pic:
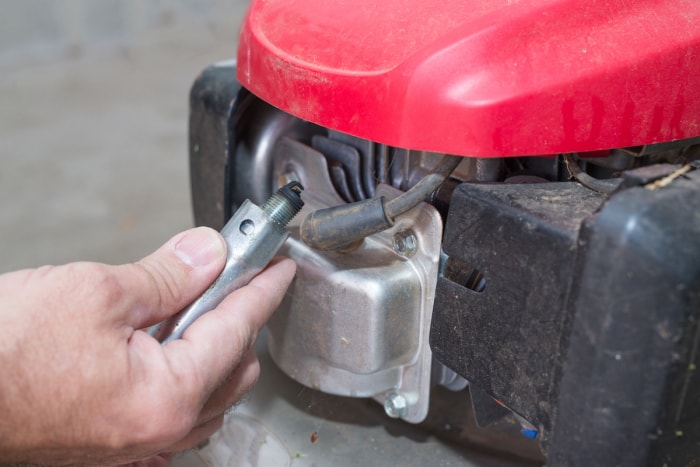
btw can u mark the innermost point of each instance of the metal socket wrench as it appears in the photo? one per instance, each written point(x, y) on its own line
point(253, 236)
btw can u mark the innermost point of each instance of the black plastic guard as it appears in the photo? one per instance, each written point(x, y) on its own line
point(587, 324)
point(506, 339)
point(630, 391)
point(213, 98)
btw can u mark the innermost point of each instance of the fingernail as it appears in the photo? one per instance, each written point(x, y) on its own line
point(199, 247)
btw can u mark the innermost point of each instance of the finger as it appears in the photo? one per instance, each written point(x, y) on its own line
point(255, 303)
point(198, 434)
point(166, 281)
point(237, 385)
point(217, 341)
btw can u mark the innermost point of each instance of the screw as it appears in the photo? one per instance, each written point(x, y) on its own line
point(395, 405)
point(404, 243)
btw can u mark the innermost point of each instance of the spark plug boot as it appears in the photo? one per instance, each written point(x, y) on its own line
point(253, 236)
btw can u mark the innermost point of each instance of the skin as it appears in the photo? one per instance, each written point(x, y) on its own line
point(83, 383)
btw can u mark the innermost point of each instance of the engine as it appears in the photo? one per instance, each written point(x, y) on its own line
point(524, 278)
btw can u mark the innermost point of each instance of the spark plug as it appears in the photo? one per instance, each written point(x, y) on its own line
point(253, 236)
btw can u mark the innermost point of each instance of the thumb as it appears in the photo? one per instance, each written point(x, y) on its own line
point(166, 281)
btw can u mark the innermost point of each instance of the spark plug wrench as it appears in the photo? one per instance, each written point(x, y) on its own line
point(253, 236)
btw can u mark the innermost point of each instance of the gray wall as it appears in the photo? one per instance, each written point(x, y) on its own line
point(93, 123)
point(32, 30)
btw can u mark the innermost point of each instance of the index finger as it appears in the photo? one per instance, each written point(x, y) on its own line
point(215, 343)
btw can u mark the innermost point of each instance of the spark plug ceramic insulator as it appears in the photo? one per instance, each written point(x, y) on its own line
point(253, 236)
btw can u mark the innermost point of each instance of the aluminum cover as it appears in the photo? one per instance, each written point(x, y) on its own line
point(356, 324)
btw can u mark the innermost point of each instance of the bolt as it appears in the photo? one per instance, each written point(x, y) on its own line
point(395, 405)
point(405, 243)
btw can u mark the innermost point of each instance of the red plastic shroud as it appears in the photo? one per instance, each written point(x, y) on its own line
point(481, 77)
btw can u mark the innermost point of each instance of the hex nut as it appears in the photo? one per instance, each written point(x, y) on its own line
point(396, 405)
point(405, 243)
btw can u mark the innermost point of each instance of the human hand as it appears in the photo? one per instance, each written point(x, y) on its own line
point(82, 382)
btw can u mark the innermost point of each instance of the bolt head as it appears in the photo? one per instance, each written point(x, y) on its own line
point(396, 405)
point(405, 243)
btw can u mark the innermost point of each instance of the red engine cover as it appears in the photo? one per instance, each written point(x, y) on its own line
point(481, 77)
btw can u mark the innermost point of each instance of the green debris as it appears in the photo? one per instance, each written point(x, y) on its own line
point(679, 433)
